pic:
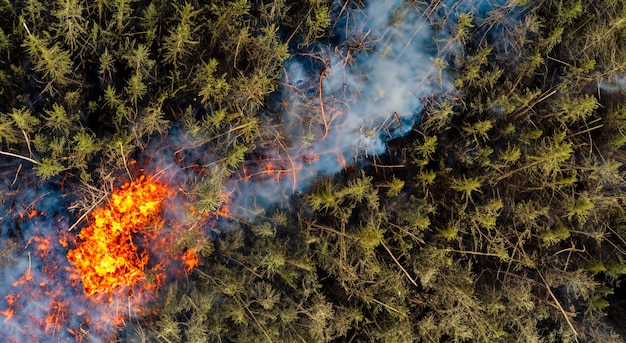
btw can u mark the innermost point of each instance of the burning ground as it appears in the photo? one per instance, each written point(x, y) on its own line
point(83, 287)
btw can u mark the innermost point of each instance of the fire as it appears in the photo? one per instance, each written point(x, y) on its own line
point(8, 313)
point(190, 258)
point(106, 255)
point(78, 287)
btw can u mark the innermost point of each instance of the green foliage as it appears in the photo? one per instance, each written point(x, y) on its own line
point(616, 268)
point(210, 88)
point(113, 74)
point(438, 117)
point(317, 21)
point(462, 28)
point(598, 302)
point(427, 148)
point(369, 238)
point(48, 168)
point(24, 120)
point(71, 22)
point(466, 187)
point(58, 120)
point(551, 237)
point(550, 155)
point(323, 198)
point(394, 187)
point(179, 41)
point(51, 60)
point(511, 155)
point(8, 133)
point(479, 129)
point(207, 194)
point(578, 109)
point(579, 208)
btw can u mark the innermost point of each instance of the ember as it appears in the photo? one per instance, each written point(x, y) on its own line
point(106, 255)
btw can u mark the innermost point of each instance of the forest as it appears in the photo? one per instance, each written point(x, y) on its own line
point(312, 171)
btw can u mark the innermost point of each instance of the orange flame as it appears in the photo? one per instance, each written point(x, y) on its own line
point(8, 313)
point(106, 256)
point(190, 258)
point(125, 254)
